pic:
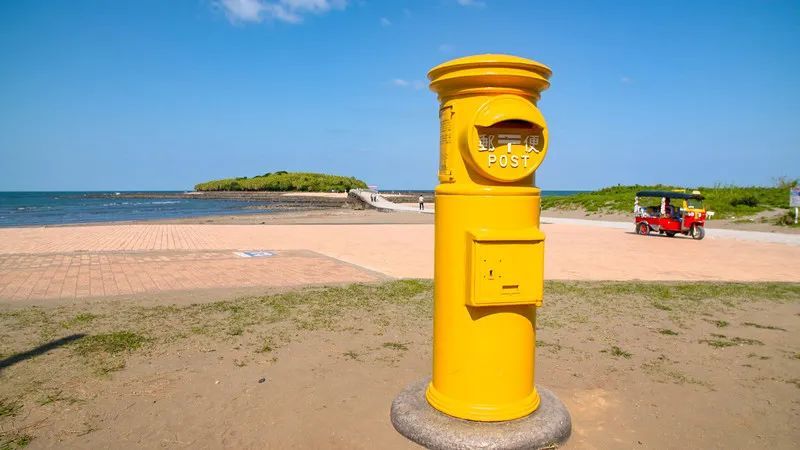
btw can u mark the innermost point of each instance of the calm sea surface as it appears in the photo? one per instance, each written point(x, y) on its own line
point(51, 208)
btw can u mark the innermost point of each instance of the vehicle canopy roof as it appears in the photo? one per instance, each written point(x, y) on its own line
point(669, 194)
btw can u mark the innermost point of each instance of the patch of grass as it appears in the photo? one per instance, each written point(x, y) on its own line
point(57, 396)
point(399, 346)
point(113, 342)
point(746, 341)
point(722, 341)
point(12, 441)
point(350, 354)
point(763, 327)
point(9, 408)
point(717, 343)
point(617, 352)
point(266, 347)
point(667, 332)
point(718, 323)
point(753, 355)
point(79, 319)
point(661, 367)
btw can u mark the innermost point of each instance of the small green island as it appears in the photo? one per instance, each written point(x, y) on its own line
point(283, 181)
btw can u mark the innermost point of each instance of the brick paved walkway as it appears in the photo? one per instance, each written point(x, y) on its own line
point(106, 260)
point(77, 275)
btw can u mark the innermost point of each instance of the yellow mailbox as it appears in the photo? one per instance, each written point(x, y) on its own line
point(489, 251)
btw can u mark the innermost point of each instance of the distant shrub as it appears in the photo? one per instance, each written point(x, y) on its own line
point(786, 219)
point(747, 200)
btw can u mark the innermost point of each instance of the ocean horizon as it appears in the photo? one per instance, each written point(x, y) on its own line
point(35, 208)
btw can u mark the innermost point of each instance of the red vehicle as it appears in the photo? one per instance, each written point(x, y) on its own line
point(669, 218)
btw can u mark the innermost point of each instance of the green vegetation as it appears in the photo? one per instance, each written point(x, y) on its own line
point(718, 323)
point(284, 181)
point(351, 355)
point(9, 408)
point(722, 341)
point(763, 327)
point(725, 201)
point(80, 319)
point(616, 351)
point(399, 346)
point(11, 441)
point(116, 342)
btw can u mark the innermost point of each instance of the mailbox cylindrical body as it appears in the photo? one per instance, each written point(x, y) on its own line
point(489, 251)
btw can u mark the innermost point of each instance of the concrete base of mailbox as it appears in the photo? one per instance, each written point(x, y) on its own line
point(418, 421)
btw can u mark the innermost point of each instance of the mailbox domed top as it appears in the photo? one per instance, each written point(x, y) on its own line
point(490, 74)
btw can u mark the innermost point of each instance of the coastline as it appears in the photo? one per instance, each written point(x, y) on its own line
point(318, 208)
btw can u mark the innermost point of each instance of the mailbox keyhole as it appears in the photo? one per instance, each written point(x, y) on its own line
point(490, 274)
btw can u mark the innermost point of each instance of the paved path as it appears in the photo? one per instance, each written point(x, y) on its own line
point(383, 203)
point(711, 233)
point(107, 260)
point(73, 275)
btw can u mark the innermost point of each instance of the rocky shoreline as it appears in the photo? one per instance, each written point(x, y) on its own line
point(268, 199)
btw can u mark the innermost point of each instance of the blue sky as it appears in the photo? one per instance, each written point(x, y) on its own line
point(157, 94)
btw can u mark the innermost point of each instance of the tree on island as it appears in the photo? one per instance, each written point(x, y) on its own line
point(284, 181)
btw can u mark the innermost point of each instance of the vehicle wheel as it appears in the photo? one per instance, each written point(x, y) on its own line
point(670, 233)
point(698, 232)
point(643, 229)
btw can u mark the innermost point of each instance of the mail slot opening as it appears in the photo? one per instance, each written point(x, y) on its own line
point(515, 123)
point(510, 287)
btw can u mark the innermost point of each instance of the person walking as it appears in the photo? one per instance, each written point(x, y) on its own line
point(421, 203)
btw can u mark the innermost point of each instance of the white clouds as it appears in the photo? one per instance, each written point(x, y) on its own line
point(626, 80)
point(401, 83)
point(475, 3)
point(290, 11)
point(385, 22)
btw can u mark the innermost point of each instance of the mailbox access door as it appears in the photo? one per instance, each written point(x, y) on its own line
point(505, 267)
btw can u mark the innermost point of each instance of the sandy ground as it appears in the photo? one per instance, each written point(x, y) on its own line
point(646, 367)
point(635, 371)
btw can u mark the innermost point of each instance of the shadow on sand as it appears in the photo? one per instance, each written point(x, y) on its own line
point(40, 350)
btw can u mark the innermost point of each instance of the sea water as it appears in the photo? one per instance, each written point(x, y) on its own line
point(56, 208)
point(50, 208)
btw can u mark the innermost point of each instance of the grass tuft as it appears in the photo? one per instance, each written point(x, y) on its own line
point(395, 346)
point(12, 441)
point(9, 408)
point(616, 351)
point(114, 342)
point(350, 354)
point(79, 319)
point(763, 327)
point(723, 341)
